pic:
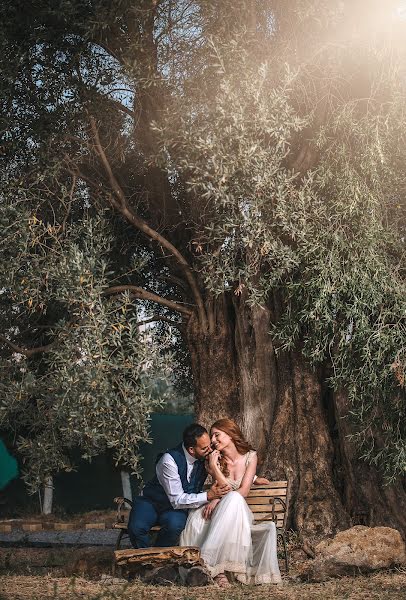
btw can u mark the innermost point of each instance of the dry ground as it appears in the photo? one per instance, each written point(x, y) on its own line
point(31, 578)
point(77, 520)
point(382, 586)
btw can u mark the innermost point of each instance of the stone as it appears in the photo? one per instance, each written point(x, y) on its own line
point(357, 550)
point(106, 579)
point(197, 577)
point(164, 575)
point(90, 561)
point(63, 526)
point(31, 526)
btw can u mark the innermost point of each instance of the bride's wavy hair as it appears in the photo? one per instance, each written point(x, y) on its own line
point(231, 428)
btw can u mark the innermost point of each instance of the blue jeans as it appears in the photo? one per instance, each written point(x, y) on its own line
point(144, 515)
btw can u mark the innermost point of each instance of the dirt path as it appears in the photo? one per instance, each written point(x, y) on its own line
point(383, 586)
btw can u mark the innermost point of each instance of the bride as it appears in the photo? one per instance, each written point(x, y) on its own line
point(223, 529)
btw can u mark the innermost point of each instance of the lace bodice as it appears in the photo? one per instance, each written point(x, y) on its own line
point(236, 483)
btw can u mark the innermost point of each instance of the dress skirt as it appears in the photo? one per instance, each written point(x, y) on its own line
point(230, 542)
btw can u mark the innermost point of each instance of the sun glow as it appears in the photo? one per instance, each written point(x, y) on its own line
point(401, 11)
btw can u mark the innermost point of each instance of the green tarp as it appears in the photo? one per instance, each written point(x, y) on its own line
point(8, 466)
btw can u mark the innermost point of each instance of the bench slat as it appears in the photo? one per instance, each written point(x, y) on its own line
point(255, 508)
point(267, 493)
point(119, 526)
point(267, 500)
point(266, 518)
point(124, 526)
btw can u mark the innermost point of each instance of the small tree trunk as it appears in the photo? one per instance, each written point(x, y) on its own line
point(126, 485)
point(214, 365)
point(48, 496)
point(257, 373)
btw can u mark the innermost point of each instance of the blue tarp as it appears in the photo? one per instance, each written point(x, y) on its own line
point(8, 466)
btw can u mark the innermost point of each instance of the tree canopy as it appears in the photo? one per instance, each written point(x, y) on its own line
point(177, 152)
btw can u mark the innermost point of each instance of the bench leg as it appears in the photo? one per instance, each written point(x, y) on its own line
point(118, 543)
point(119, 538)
point(282, 535)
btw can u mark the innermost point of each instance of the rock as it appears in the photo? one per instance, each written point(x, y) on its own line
point(106, 579)
point(163, 575)
point(197, 577)
point(357, 550)
point(33, 560)
point(91, 561)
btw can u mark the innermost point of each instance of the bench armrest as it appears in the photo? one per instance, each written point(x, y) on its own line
point(121, 502)
point(274, 501)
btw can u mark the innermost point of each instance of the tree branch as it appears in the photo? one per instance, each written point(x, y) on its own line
point(122, 107)
point(175, 280)
point(140, 224)
point(72, 190)
point(145, 295)
point(156, 318)
point(26, 351)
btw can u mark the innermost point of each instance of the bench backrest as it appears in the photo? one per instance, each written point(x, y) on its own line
point(262, 498)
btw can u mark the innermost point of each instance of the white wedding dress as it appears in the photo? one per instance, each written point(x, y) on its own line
point(230, 542)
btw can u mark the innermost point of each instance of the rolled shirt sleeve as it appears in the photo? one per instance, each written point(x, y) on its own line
point(168, 476)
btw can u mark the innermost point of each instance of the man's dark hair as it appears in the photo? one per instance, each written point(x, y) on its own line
point(191, 433)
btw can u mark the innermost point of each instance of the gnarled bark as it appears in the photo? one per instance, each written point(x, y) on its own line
point(302, 449)
point(280, 403)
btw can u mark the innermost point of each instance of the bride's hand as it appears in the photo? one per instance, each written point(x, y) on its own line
point(209, 508)
point(214, 459)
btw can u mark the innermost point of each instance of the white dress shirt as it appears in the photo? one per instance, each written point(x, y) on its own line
point(168, 476)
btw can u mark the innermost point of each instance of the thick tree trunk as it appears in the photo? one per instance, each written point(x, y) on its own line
point(301, 449)
point(284, 412)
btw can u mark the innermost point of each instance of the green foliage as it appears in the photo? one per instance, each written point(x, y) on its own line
point(348, 295)
point(231, 150)
point(329, 243)
point(95, 387)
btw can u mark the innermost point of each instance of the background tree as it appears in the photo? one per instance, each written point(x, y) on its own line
point(253, 154)
point(92, 386)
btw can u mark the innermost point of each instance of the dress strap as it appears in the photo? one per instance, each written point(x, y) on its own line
point(248, 457)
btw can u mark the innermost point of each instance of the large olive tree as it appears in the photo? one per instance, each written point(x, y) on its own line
point(253, 154)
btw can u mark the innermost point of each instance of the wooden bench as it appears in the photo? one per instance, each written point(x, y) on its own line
point(271, 503)
point(267, 502)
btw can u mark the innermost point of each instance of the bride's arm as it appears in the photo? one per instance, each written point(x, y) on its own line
point(214, 468)
point(248, 476)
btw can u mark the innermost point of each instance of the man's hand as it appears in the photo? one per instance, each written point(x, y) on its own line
point(217, 491)
point(209, 508)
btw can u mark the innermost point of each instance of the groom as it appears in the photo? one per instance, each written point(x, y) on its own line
point(176, 487)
